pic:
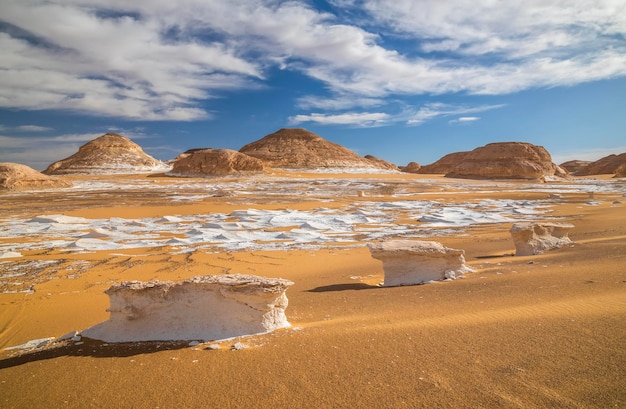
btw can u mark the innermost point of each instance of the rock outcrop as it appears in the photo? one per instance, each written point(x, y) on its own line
point(383, 164)
point(621, 171)
point(507, 160)
point(17, 177)
point(444, 165)
point(202, 308)
point(411, 167)
point(215, 162)
point(297, 148)
point(605, 166)
point(408, 262)
point(575, 166)
point(108, 154)
point(536, 238)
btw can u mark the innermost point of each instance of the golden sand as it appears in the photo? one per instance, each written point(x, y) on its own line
point(520, 332)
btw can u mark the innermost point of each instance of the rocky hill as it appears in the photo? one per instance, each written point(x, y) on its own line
point(507, 160)
point(16, 177)
point(444, 165)
point(575, 166)
point(215, 162)
point(108, 154)
point(607, 165)
point(297, 148)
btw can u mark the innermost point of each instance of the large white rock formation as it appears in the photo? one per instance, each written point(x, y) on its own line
point(535, 238)
point(408, 262)
point(201, 308)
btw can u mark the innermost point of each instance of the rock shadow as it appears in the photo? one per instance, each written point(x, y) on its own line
point(92, 348)
point(342, 287)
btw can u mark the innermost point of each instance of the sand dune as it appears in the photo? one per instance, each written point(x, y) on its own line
point(533, 331)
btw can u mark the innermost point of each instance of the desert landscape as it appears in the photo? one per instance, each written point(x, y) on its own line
point(317, 225)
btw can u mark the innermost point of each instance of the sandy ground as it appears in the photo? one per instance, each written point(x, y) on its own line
point(520, 332)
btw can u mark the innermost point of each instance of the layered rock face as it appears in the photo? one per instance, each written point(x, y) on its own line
point(537, 238)
point(108, 154)
point(201, 308)
point(297, 148)
point(408, 262)
point(444, 165)
point(215, 162)
point(605, 166)
point(16, 177)
point(575, 166)
point(506, 160)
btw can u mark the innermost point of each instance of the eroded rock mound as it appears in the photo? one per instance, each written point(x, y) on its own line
point(297, 148)
point(408, 262)
point(621, 171)
point(537, 238)
point(575, 166)
point(17, 177)
point(411, 167)
point(201, 308)
point(507, 160)
point(215, 162)
point(108, 154)
point(605, 166)
point(444, 165)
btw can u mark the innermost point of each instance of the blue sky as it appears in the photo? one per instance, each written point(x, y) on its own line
point(403, 80)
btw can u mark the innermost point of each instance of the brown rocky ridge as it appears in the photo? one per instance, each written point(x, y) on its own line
point(604, 166)
point(108, 154)
point(297, 148)
point(17, 177)
point(215, 162)
point(444, 165)
point(575, 166)
point(507, 160)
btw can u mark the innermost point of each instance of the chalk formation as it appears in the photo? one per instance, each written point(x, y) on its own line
point(17, 177)
point(201, 308)
point(536, 238)
point(408, 262)
point(215, 162)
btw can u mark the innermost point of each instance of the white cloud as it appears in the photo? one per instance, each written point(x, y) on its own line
point(464, 120)
point(156, 60)
point(435, 110)
point(360, 119)
point(32, 128)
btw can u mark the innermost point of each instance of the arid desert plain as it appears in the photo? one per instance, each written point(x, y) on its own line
point(540, 331)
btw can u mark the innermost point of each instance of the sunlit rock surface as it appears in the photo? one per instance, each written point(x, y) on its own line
point(201, 308)
point(407, 262)
point(536, 238)
point(18, 177)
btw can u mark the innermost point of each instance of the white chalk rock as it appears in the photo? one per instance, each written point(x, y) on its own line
point(408, 262)
point(201, 308)
point(535, 238)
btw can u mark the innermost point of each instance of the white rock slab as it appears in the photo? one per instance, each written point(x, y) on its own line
point(535, 238)
point(409, 262)
point(201, 308)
